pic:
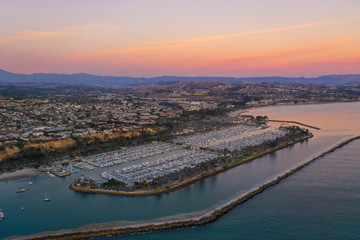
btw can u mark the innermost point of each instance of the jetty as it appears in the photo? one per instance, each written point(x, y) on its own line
point(294, 122)
point(264, 119)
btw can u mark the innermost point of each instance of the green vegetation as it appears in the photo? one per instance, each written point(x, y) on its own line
point(114, 184)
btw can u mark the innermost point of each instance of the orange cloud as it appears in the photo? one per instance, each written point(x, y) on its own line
point(31, 35)
point(150, 46)
point(330, 64)
point(302, 50)
point(249, 33)
point(36, 35)
point(124, 50)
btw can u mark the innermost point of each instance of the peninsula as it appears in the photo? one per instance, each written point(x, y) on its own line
point(228, 148)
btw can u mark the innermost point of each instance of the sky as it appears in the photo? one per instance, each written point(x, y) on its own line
point(147, 38)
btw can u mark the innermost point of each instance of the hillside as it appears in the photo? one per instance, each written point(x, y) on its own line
point(89, 79)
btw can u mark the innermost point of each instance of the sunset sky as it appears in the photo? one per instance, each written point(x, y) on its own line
point(181, 37)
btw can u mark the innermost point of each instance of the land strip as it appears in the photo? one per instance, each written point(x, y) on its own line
point(181, 184)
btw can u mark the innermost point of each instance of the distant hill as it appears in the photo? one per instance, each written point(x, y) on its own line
point(89, 79)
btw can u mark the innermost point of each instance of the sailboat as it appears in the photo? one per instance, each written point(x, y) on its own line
point(46, 199)
point(2, 216)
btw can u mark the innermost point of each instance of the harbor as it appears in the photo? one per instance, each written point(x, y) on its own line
point(182, 220)
point(146, 163)
point(72, 209)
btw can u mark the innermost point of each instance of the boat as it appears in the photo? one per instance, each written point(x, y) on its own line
point(30, 183)
point(51, 175)
point(22, 208)
point(2, 215)
point(46, 199)
point(22, 190)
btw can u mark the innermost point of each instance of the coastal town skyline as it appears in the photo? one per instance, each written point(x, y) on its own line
point(191, 38)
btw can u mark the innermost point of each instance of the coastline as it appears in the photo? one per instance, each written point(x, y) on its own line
point(252, 108)
point(185, 183)
point(178, 221)
point(18, 174)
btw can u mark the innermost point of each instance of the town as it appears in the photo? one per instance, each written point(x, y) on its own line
point(40, 125)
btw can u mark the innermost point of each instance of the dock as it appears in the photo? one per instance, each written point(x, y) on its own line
point(60, 173)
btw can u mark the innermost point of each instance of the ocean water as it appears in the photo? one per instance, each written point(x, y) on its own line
point(69, 209)
point(322, 201)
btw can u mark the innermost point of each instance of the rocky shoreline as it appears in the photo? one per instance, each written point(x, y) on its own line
point(187, 182)
point(180, 221)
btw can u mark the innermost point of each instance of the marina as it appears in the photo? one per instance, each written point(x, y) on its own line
point(207, 138)
point(195, 219)
point(145, 163)
point(249, 140)
point(129, 154)
point(160, 166)
point(72, 209)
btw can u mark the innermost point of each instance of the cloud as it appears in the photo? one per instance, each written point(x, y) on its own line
point(280, 54)
point(125, 50)
point(330, 64)
point(30, 35)
point(24, 36)
point(148, 46)
point(248, 33)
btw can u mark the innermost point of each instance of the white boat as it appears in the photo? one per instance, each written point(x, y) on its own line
point(22, 190)
point(46, 199)
point(2, 215)
point(30, 183)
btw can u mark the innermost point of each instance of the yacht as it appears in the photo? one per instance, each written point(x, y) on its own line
point(2, 215)
point(46, 199)
point(22, 190)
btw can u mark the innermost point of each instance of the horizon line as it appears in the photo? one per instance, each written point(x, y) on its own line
point(269, 76)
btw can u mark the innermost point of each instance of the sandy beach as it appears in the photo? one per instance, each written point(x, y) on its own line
point(23, 173)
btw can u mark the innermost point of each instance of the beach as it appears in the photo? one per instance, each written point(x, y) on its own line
point(23, 173)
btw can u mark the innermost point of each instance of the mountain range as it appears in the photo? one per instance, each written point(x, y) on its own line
point(89, 79)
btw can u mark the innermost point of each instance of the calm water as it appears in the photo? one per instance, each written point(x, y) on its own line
point(69, 209)
point(321, 201)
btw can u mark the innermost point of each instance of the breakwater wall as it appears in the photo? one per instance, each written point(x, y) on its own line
point(178, 221)
point(299, 123)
